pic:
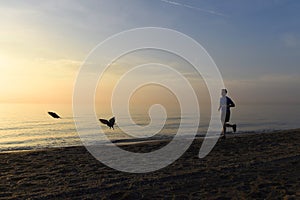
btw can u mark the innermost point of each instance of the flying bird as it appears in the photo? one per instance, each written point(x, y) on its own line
point(110, 123)
point(54, 115)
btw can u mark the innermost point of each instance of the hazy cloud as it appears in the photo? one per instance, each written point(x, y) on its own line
point(212, 12)
point(291, 40)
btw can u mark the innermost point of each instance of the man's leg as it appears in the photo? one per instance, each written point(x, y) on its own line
point(224, 130)
point(233, 126)
point(223, 121)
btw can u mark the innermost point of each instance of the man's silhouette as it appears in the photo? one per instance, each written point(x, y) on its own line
point(225, 104)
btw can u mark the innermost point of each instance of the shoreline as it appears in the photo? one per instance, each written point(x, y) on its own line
point(260, 166)
point(144, 140)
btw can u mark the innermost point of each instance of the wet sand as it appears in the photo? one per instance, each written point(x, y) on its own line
point(256, 166)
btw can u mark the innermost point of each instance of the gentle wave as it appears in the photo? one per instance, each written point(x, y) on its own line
point(36, 130)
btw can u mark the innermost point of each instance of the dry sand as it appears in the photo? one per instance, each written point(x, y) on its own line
point(261, 166)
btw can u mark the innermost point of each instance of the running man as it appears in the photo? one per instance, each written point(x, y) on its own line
point(225, 104)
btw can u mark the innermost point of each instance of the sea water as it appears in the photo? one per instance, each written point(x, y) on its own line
point(29, 127)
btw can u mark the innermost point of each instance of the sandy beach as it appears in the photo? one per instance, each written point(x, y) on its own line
point(253, 166)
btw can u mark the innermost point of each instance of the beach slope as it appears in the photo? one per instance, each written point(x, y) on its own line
point(253, 166)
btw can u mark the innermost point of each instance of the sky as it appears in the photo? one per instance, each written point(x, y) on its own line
point(255, 44)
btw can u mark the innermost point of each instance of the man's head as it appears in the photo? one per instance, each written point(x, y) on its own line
point(224, 92)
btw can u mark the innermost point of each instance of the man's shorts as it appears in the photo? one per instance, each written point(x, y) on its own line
point(225, 116)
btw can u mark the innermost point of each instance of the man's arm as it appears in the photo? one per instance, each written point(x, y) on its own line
point(220, 106)
point(230, 103)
